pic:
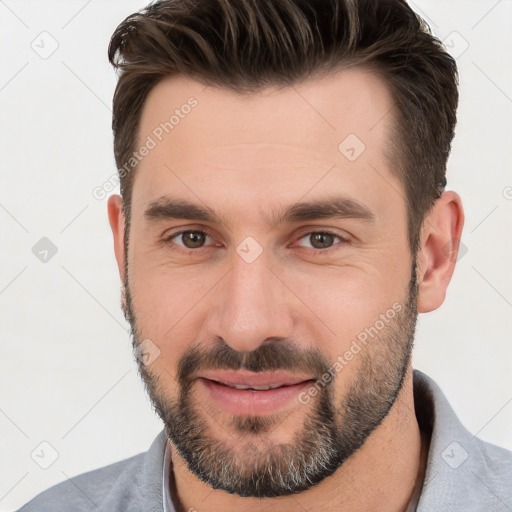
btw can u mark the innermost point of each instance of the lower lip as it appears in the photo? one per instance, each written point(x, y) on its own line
point(253, 402)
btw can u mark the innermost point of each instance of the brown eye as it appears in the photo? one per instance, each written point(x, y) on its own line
point(321, 240)
point(189, 239)
point(193, 239)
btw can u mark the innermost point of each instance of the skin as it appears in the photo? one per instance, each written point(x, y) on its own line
point(245, 157)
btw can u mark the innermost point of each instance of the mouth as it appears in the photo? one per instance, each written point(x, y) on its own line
point(243, 379)
point(240, 392)
point(254, 388)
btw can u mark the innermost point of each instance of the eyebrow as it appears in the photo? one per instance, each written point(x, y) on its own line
point(332, 207)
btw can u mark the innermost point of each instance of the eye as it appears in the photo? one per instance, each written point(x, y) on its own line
point(189, 239)
point(192, 239)
point(321, 239)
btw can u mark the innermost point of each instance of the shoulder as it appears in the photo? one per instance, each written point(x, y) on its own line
point(464, 473)
point(88, 490)
point(478, 475)
point(497, 463)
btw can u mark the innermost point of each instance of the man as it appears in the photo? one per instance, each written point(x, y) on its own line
point(282, 221)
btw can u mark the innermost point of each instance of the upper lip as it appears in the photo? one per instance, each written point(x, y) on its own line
point(247, 378)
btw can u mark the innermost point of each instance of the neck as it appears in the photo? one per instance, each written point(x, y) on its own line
point(385, 474)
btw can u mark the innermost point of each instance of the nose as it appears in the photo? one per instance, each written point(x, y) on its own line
point(251, 305)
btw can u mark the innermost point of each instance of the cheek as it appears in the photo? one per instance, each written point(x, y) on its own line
point(341, 302)
point(161, 313)
point(169, 303)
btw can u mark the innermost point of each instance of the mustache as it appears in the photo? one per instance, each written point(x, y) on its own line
point(273, 354)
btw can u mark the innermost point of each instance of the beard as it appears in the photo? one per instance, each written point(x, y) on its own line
point(249, 463)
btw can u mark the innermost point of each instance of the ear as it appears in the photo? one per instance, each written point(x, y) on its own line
point(439, 246)
point(117, 224)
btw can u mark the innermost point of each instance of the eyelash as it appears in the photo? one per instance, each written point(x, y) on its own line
point(342, 241)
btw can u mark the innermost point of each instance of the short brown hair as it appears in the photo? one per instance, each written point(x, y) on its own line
point(246, 45)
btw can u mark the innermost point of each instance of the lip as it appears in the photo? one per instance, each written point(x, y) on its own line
point(251, 402)
point(247, 378)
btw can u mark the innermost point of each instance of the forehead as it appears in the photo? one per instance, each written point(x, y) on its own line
point(354, 100)
point(284, 139)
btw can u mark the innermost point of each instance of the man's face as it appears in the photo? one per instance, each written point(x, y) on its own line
point(264, 291)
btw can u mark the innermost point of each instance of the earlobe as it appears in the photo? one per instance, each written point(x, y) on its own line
point(440, 242)
point(117, 224)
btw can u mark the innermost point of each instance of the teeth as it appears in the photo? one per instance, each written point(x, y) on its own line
point(257, 388)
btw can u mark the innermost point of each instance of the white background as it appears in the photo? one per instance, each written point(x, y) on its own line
point(67, 375)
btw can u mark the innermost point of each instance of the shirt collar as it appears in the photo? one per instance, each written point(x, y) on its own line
point(167, 501)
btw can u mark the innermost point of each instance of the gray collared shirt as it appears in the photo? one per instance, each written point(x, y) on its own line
point(464, 473)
